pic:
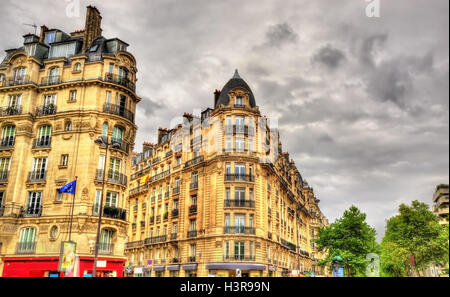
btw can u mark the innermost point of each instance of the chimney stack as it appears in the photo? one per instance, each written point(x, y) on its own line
point(42, 36)
point(93, 28)
point(216, 97)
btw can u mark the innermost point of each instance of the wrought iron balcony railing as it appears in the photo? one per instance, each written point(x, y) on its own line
point(26, 247)
point(118, 110)
point(173, 236)
point(43, 142)
point(4, 176)
point(10, 110)
point(239, 230)
point(193, 186)
point(239, 177)
point(194, 161)
point(16, 81)
point(7, 142)
point(37, 176)
point(240, 203)
point(123, 81)
point(176, 190)
point(175, 213)
point(105, 248)
point(192, 233)
point(239, 258)
point(35, 211)
point(192, 209)
point(114, 213)
point(45, 110)
point(51, 80)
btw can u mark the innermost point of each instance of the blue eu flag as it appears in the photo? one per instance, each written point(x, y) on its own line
point(69, 188)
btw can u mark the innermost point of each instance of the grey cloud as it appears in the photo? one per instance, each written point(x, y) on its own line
point(280, 34)
point(150, 107)
point(329, 56)
point(369, 46)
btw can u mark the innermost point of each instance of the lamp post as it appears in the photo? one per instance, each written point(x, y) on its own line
point(102, 141)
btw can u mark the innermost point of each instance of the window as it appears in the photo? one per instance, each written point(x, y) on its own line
point(111, 68)
point(239, 170)
point(44, 135)
point(59, 196)
point(240, 144)
point(192, 225)
point(227, 249)
point(239, 101)
point(53, 75)
point(39, 167)
point(98, 195)
point(20, 73)
point(195, 177)
point(14, 101)
point(105, 130)
point(50, 37)
point(73, 96)
point(112, 199)
point(77, 67)
point(27, 239)
point(34, 203)
point(228, 144)
point(2, 194)
point(105, 242)
point(68, 126)
point(4, 168)
point(49, 100)
point(108, 98)
point(227, 194)
point(239, 223)
point(64, 160)
point(192, 250)
point(53, 232)
point(239, 122)
point(8, 136)
point(30, 49)
point(194, 200)
point(178, 160)
point(93, 48)
point(63, 50)
point(174, 228)
point(115, 166)
point(239, 194)
point(239, 250)
point(117, 134)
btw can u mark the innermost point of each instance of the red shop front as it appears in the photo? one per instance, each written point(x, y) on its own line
point(48, 266)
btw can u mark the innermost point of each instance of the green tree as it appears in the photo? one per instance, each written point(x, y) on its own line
point(351, 238)
point(416, 231)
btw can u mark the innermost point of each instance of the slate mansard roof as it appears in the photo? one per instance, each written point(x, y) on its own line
point(235, 82)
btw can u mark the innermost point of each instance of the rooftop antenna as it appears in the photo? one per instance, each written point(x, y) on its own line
point(34, 26)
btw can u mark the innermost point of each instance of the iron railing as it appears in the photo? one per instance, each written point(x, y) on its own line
point(4, 176)
point(194, 161)
point(118, 110)
point(239, 258)
point(192, 209)
point(46, 110)
point(105, 248)
point(239, 177)
point(26, 247)
point(37, 176)
point(51, 80)
point(192, 233)
point(43, 142)
point(16, 81)
point(8, 142)
point(240, 203)
point(239, 230)
point(10, 110)
point(123, 81)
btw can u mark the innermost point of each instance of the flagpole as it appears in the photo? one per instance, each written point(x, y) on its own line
point(71, 212)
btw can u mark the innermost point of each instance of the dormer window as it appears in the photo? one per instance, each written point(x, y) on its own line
point(239, 101)
point(77, 67)
point(30, 49)
point(93, 48)
point(50, 37)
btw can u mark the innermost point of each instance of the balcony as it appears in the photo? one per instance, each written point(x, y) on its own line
point(134, 244)
point(156, 160)
point(123, 81)
point(152, 219)
point(166, 216)
point(7, 142)
point(173, 236)
point(175, 213)
point(33, 212)
point(175, 260)
point(16, 81)
point(4, 176)
point(240, 203)
point(192, 233)
point(133, 226)
point(140, 173)
point(176, 190)
point(239, 177)
point(269, 235)
point(239, 230)
point(159, 197)
point(192, 209)
point(105, 248)
point(45, 110)
point(26, 248)
point(194, 161)
point(51, 80)
point(158, 218)
point(43, 142)
point(138, 190)
point(238, 258)
point(191, 259)
point(117, 178)
point(142, 224)
point(123, 146)
point(166, 194)
point(193, 186)
point(169, 154)
point(135, 208)
point(114, 213)
point(37, 176)
point(10, 110)
point(118, 110)
point(155, 239)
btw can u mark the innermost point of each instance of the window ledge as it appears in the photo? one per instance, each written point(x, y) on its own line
point(62, 166)
point(71, 101)
point(57, 202)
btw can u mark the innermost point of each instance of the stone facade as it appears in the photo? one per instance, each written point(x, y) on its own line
point(216, 194)
point(54, 102)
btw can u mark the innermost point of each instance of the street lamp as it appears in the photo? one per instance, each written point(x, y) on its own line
point(102, 141)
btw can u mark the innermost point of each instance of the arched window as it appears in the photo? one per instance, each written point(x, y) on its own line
point(53, 76)
point(8, 136)
point(118, 134)
point(27, 240)
point(105, 243)
point(20, 74)
point(77, 67)
point(68, 126)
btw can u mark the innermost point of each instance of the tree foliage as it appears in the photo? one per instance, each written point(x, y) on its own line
point(351, 238)
point(415, 231)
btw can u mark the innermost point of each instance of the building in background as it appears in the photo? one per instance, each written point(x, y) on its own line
point(58, 93)
point(217, 195)
point(441, 205)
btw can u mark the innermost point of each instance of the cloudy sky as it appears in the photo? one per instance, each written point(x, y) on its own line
point(362, 103)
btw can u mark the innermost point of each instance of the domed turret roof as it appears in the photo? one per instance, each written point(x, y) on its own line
point(235, 82)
